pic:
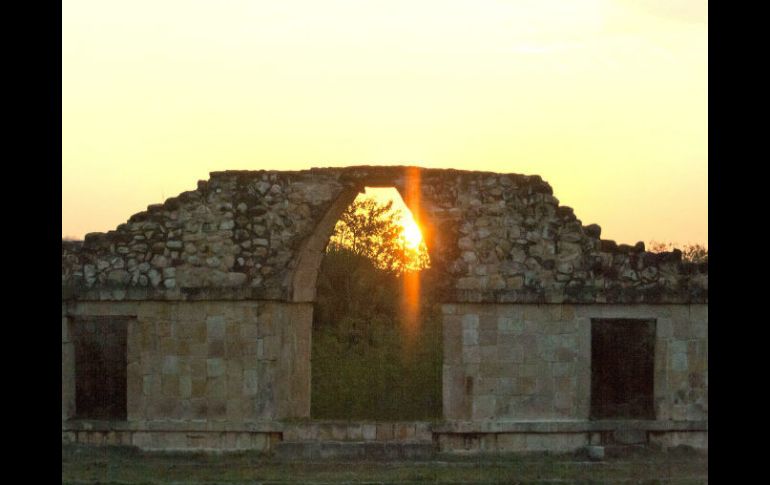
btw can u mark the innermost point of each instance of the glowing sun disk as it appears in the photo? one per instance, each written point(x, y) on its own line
point(412, 233)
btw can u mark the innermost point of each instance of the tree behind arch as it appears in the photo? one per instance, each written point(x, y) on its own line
point(371, 229)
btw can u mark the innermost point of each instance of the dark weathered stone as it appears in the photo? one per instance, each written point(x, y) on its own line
point(608, 246)
point(593, 230)
point(565, 212)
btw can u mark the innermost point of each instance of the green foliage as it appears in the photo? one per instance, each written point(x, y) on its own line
point(376, 377)
point(370, 229)
point(365, 366)
point(351, 287)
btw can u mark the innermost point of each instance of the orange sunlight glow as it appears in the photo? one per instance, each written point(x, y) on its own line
point(412, 240)
point(410, 294)
point(599, 97)
point(412, 234)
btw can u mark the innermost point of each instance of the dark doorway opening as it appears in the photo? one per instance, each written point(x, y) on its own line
point(622, 368)
point(100, 367)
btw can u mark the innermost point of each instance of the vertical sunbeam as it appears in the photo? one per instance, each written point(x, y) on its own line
point(410, 295)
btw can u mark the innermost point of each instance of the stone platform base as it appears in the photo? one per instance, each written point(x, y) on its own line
point(400, 440)
point(174, 435)
point(409, 440)
point(567, 436)
point(177, 440)
point(354, 450)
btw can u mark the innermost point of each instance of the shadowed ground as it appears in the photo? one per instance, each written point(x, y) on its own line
point(112, 465)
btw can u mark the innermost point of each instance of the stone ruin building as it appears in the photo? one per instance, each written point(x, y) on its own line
point(189, 326)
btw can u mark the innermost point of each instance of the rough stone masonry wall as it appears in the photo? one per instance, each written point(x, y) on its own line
point(220, 281)
point(533, 362)
point(493, 237)
point(227, 362)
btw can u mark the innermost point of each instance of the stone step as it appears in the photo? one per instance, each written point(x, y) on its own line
point(356, 450)
point(626, 451)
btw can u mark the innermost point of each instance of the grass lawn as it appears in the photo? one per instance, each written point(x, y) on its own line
point(112, 465)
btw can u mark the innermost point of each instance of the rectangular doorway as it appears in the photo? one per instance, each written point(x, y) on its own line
point(100, 367)
point(622, 368)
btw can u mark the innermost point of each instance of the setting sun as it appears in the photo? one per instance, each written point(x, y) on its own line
point(390, 236)
point(411, 233)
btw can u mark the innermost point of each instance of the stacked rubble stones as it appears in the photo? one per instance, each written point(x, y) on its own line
point(492, 238)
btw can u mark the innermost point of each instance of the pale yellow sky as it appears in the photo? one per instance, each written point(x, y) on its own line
point(605, 99)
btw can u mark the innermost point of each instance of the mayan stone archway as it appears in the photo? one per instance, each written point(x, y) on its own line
point(214, 291)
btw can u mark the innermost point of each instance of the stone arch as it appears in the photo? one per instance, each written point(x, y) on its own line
point(238, 258)
point(303, 278)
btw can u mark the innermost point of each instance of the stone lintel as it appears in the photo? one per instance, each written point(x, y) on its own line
point(567, 426)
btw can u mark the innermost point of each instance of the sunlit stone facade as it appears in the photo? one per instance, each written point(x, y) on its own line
point(216, 286)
